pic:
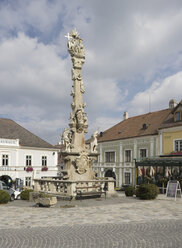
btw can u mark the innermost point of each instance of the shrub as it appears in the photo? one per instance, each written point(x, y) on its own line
point(25, 194)
point(147, 191)
point(4, 197)
point(129, 191)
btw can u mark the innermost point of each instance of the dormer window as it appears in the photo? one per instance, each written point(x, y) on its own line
point(178, 116)
point(144, 126)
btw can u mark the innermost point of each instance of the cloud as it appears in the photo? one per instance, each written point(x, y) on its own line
point(160, 93)
point(131, 48)
point(36, 85)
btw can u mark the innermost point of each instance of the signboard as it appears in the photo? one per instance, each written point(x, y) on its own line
point(9, 142)
point(173, 188)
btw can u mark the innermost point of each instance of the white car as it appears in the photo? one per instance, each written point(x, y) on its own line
point(17, 194)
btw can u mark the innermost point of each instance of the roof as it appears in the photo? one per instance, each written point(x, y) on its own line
point(160, 161)
point(169, 121)
point(137, 126)
point(11, 130)
point(179, 104)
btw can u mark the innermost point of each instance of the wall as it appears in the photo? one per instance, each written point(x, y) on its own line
point(17, 162)
point(119, 167)
point(168, 137)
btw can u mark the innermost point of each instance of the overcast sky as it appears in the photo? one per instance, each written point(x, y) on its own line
point(133, 54)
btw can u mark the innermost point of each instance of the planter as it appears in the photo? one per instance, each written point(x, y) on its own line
point(45, 168)
point(29, 169)
point(179, 153)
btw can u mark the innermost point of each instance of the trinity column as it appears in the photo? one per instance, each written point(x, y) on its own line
point(77, 157)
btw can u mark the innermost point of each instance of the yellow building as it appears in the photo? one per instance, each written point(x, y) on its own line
point(168, 164)
point(170, 132)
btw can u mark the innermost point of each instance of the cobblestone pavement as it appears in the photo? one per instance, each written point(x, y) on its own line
point(155, 234)
point(115, 222)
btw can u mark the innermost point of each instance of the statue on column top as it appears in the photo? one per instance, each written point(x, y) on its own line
point(75, 45)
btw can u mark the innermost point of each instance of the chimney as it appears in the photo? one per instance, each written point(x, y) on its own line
point(172, 103)
point(125, 115)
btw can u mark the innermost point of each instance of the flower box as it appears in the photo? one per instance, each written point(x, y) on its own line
point(29, 169)
point(176, 153)
point(45, 168)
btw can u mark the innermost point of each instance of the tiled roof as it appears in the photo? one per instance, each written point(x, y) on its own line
point(169, 121)
point(137, 126)
point(11, 130)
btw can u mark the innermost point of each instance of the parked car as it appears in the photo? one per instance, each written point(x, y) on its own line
point(14, 194)
point(17, 194)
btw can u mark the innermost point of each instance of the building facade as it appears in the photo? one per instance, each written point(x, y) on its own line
point(170, 132)
point(24, 156)
point(137, 139)
point(117, 158)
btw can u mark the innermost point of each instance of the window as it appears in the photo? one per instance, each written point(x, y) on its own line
point(127, 155)
point(5, 160)
point(178, 145)
point(44, 160)
point(110, 157)
point(5, 187)
point(28, 160)
point(178, 116)
point(127, 177)
point(28, 181)
point(143, 153)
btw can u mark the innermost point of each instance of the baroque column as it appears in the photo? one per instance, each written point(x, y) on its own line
point(77, 158)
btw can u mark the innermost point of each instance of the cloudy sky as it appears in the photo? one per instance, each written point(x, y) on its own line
point(133, 54)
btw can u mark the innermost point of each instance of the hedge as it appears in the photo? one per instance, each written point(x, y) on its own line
point(25, 194)
point(147, 191)
point(4, 197)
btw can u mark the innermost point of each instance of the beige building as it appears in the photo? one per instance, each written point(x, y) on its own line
point(134, 138)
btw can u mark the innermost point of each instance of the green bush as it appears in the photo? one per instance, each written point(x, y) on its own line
point(4, 197)
point(147, 191)
point(129, 191)
point(25, 194)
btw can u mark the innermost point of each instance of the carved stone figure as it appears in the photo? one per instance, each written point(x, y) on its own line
point(72, 93)
point(79, 116)
point(76, 74)
point(93, 142)
point(77, 62)
point(72, 118)
point(66, 138)
point(73, 105)
point(75, 45)
point(82, 87)
point(81, 164)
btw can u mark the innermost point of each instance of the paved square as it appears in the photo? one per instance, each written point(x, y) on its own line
point(116, 222)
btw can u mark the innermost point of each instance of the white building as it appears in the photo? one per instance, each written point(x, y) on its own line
point(24, 156)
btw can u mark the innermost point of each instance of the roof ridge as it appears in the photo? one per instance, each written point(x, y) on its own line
point(11, 129)
point(136, 116)
point(30, 132)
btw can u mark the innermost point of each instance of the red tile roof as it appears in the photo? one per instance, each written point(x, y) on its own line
point(137, 126)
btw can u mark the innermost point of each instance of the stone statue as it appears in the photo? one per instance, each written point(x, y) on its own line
point(93, 142)
point(82, 86)
point(75, 45)
point(79, 116)
point(66, 138)
point(72, 118)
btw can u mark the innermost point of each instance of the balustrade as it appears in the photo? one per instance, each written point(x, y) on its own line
point(62, 187)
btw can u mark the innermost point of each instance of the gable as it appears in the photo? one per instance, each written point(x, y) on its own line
point(12, 130)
